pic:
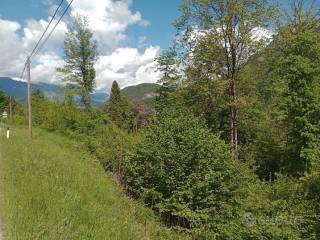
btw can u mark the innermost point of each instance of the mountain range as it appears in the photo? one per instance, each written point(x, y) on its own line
point(145, 92)
point(18, 89)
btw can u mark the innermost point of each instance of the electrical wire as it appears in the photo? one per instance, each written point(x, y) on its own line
point(54, 15)
point(24, 68)
point(35, 49)
point(47, 38)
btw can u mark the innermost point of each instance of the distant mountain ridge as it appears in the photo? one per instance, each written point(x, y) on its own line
point(18, 89)
point(145, 92)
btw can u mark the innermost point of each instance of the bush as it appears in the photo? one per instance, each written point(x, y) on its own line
point(182, 170)
point(187, 175)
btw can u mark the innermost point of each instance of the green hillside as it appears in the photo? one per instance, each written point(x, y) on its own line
point(51, 189)
point(145, 92)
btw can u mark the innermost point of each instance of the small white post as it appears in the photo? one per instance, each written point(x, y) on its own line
point(8, 133)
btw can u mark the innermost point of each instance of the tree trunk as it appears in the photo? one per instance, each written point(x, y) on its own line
point(233, 117)
point(87, 102)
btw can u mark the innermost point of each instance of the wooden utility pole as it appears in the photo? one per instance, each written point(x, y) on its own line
point(10, 107)
point(29, 96)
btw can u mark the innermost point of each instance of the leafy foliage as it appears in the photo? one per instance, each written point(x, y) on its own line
point(174, 154)
point(296, 62)
point(117, 106)
point(141, 115)
point(187, 175)
point(231, 26)
point(4, 102)
point(80, 56)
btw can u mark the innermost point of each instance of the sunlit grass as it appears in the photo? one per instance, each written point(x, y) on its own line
point(52, 189)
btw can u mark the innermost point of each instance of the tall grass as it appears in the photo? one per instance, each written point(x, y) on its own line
point(52, 189)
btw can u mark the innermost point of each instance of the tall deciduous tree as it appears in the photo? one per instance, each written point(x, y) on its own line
point(80, 56)
point(296, 63)
point(233, 25)
point(168, 64)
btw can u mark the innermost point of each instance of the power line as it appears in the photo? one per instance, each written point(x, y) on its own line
point(24, 68)
point(47, 38)
point(54, 15)
point(43, 34)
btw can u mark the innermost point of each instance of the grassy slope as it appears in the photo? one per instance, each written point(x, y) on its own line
point(51, 189)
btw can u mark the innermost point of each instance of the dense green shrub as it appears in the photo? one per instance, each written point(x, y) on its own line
point(181, 169)
point(186, 174)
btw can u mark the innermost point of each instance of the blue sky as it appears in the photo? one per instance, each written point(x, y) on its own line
point(160, 13)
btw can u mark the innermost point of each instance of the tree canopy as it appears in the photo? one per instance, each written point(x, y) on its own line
point(80, 56)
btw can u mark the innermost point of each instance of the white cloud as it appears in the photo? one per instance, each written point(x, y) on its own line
point(44, 70)
point(262, 34)
point(34, 30)
point(109, 19)
point(127, 66)
point(11, 57)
